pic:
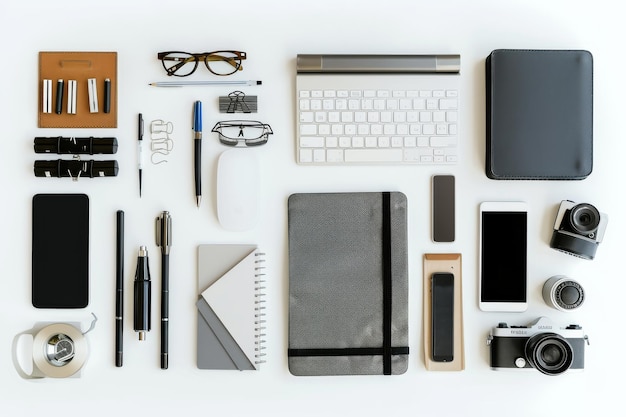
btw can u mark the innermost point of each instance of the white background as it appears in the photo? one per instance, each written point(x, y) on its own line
point(272, 32)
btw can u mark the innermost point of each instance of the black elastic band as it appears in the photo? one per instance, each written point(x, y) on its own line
point(386, 283)
point(404, 350)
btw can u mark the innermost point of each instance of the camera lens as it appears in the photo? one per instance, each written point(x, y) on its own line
point(563, 293)
point(549, 353)
point(585, 219)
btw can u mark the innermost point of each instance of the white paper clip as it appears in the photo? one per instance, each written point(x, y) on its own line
point(93, 95)
point(47, 96)
point(71, 97)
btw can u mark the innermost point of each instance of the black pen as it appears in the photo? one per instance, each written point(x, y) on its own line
point(119, 295)
point(140, 149)
point(59, 102)
point(164, 240)
point(197, 128)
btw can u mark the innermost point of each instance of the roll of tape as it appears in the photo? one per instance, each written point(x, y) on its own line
point(59, 351)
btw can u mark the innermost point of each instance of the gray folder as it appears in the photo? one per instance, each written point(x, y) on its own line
point(348, 284)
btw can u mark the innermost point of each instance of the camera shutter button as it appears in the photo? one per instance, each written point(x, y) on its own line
point(520, 362)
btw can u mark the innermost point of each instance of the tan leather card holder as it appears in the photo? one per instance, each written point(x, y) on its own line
point(79, 66)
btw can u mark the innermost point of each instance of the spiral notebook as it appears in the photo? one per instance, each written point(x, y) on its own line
point(230, 307)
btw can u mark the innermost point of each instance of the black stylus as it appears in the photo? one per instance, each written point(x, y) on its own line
point(164, 241)
point(119, 291)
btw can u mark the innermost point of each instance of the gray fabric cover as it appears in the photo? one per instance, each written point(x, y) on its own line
point(335, 280)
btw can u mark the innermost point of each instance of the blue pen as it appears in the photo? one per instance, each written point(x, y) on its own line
point(197, 139)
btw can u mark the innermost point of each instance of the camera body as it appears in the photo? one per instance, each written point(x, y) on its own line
point(540, 345)
point(578, 229)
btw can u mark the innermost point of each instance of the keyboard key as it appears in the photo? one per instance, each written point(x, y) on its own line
point(308, 129)
point(306, 155)
point(331, 142)
point(305, 105)
point(317, 94)
point(305, 94)
point(320, 117)
point(334, 155)
point(334, 117)
point(345, 142)
point(319, 155)
point(311, 141)
point(445, 104)
point(306, 117)
point(437, 141)
point(373, 155)
point(330, 93)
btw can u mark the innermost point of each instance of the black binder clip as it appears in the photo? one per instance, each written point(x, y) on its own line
point(73, 145)
point(75, 168)
point(238, 102)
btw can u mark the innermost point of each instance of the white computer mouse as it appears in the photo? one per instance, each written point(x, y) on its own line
point(237, 189)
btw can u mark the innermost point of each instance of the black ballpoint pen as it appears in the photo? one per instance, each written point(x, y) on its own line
point(197, 140)
point(140, 149)
point(119, 291)
point(164, 241)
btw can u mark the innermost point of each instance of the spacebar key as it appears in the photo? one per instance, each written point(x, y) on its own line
point(373, 155)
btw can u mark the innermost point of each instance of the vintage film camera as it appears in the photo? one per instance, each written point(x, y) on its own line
point(540, 345)
point(578, 229)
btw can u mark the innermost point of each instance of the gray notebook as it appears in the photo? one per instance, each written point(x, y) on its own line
point(348, 284)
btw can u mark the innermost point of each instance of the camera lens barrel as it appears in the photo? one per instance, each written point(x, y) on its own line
point(549, 353)
point(585, 219)
point(563, 293)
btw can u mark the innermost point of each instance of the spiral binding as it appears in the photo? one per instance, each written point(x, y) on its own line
point(259, 314)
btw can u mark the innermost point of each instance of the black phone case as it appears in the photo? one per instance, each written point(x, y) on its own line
point(60, 251)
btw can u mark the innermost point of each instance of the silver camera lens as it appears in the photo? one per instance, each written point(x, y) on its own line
point(563, 293)
point(585, 219)
point(549, 353)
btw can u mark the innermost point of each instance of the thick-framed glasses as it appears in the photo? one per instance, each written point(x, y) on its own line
point(242, 132)
point(182, 64)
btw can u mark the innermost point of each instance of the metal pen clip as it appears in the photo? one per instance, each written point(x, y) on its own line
point(164, 232)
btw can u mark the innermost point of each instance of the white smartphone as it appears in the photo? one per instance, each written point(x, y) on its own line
point(502, 258)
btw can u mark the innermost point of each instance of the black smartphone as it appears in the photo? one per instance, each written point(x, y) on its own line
point(442, 293)
point(60, 251)
point(443, 208)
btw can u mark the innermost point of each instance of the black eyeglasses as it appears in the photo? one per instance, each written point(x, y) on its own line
point(182, 64)
point(243, 132)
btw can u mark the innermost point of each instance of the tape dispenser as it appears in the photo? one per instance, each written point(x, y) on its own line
point(59, 350)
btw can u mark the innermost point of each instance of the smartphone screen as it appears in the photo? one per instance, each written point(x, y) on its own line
point(443, 208)
point(503, 256)
point(60, 251)
point(442, 288)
